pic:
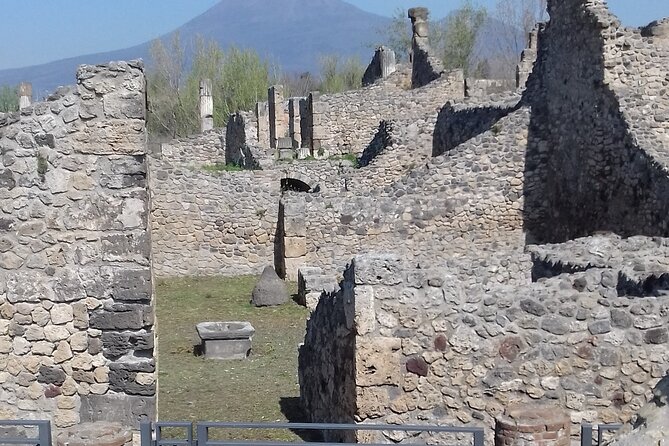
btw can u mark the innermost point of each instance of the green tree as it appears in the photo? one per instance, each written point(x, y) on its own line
point(9, 99)
point(171, 111)
point(460, 33)
point(239, 79)
point(338, 75)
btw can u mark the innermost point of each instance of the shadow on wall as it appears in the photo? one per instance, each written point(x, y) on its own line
point(583, 172)
point(454, 127)
point(279, 245)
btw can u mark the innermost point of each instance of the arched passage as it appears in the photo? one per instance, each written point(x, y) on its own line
point(295, 185)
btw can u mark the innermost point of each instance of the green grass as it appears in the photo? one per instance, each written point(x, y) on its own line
point(191, 388)
point(221, 167)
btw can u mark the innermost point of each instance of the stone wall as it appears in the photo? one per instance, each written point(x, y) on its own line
point(346, 122)
point(212, 223)
point(197, 150)
point(217, 222)
point(463, 198)
point(599, 132)
point(432, 348)
point(327, 364)
point(76, 314)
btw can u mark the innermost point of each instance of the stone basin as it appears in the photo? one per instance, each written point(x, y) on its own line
point(225, 330)
point(225, 340)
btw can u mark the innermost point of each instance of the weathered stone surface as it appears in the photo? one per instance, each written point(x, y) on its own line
point(651, 423)
point(270, 290)
point(101, 433)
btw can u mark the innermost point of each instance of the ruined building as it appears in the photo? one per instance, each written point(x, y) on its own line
point(509, 240)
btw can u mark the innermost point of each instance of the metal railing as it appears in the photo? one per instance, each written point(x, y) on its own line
point(152, 434)
point(587, 430)
point(43, 433)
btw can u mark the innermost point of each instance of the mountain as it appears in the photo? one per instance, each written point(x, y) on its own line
point(291, 33)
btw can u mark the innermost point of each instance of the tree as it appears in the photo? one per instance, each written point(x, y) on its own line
point(459, 38)
point(397, 35)
point(513, 21)
point(9, 99)
point(171, 111)
point(239, 79)
point(338, 76)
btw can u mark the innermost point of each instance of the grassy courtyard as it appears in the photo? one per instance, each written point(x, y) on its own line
point(262, 388)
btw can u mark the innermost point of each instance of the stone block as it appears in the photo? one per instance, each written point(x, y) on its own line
point(295, 247)
point(378, 270)
point(102, 433)
point(122, 378)
point(116, 344)
point(286, 154)
point(125, 409)
point(122, 317)
point(378, 362)
point(294, 226)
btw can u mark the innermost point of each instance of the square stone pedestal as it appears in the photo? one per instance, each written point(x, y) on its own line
point(225, 340)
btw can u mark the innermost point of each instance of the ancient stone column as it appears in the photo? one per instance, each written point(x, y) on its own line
point(419, 26)
point(294, 121)
point(533, 425)
point(262, 116)
point(206, 106)
point(278, 120)
point(25, 95)
point(383, 65)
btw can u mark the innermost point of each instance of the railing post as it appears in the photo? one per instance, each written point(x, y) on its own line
point(145, 434)
point(586, 434)
point(44, 432)
point(479, 437)
point(202, 435)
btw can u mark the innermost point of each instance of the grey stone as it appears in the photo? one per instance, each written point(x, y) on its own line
point(51, 375)
point(651, 425)
point(555, 325)
point(125, 409)
point(532, 307)
point(621, 318)
point(656, 336)
point(117, 344)
point(270, 290)
point(122, 317)
point(599, 327)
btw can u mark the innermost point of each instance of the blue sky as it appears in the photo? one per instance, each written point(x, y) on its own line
point(38, 31)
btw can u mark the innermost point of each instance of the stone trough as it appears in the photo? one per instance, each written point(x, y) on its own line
point(225, 340)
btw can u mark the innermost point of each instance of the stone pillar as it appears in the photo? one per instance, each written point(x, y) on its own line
point(419, 27)
point(317, 131)
point(278, 119)
point(206, 106)
point(262, 116)
point(295, 121)
point(383, 65)
point(294, 240)
point(533, 425)
point(528, 57)
point(25, 95)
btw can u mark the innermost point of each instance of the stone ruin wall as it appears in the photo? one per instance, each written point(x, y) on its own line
point(599, 127)
point(207, 223)
point(589, 157)
point(469, 198)
point(346, 122)
point(76, 295)
point(421, 345)
point(203, 149)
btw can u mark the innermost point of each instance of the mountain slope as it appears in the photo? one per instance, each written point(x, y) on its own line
point(291, 33)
